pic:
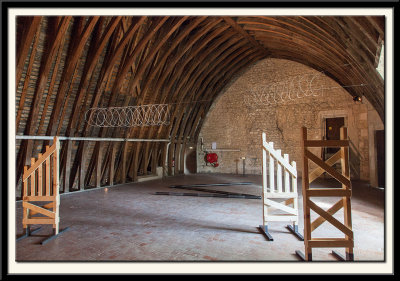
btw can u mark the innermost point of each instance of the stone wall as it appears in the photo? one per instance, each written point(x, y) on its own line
point(244, 110)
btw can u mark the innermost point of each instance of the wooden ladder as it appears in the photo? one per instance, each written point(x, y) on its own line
point(344, 193)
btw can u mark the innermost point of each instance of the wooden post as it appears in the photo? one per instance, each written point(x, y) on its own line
point(56, 208)
point(124, 152)
point(40, 183)
point(112, 162)
point(271, 170)
point(81, 170)
point(98, 165)
point(279, 174)
point(67, 167)
point(306, 209)
point(264, 179)
point(47, 175)
point(344, 151)
point(33, 179)
point(287, 180)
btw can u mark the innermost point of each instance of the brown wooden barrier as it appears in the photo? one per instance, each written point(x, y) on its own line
point(41, 185)
point(345, 193)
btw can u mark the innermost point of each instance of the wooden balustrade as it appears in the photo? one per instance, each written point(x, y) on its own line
point(285, 187)
point(41, 185)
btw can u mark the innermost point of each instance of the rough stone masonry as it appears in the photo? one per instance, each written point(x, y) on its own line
point(236, 121)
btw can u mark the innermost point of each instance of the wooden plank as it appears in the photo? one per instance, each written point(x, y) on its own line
point(327, 168)
point(343, 228)
point(98, 163)
point(331, 211)
point(38, 209)
point(67, 167)
point(330, 243)
point(294, 179)
point(319, 171)
point(38, 198)
point(37, 221)
point(279, 174)
point(54, 190)
point(286, 176)
point(282, 195)
point(56, 208)
point(290, 201)
point(327, 192)
point(124, 154)
point(33, 179)
point(46, 206)
point(112, 165)
point(264, 166)
point(280, 206)
point(25, 191)
point(326, 143)
point(277, 218)
point(47, 181)
point(271, 171)
point(40, 178)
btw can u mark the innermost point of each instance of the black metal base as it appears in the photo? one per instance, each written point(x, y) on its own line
point(48, 239)
point(294, 230)
point(264, 231)
point(212, 184)
point(28, 232)
point(349, 257)
point(301, 255)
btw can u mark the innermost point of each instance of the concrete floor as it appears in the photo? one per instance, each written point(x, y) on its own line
point(129, 223)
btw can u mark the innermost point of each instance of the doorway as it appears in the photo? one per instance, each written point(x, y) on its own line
point(380, 159)
point(190, 162)
point(332, 132)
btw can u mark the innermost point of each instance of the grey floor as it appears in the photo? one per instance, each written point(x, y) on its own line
point(130, 223)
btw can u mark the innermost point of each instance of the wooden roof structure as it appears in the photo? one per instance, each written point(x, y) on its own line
point(68, 64)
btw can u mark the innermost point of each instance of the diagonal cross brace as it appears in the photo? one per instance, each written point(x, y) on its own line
point(280, 206)
point(346, 230)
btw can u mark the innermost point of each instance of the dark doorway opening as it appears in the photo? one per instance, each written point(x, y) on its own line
point(380, 152)
point(332, 132)
point(191, 165)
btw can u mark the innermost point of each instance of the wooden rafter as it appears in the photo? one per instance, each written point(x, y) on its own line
point(123, 60)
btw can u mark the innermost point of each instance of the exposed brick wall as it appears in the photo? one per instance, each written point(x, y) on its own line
point(234, 123)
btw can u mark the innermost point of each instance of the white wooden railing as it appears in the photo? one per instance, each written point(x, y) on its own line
point(279, 182)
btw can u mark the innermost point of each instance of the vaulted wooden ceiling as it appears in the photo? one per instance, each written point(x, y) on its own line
point(66, 65)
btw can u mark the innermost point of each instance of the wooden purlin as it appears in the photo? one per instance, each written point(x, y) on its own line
point(345, 201)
